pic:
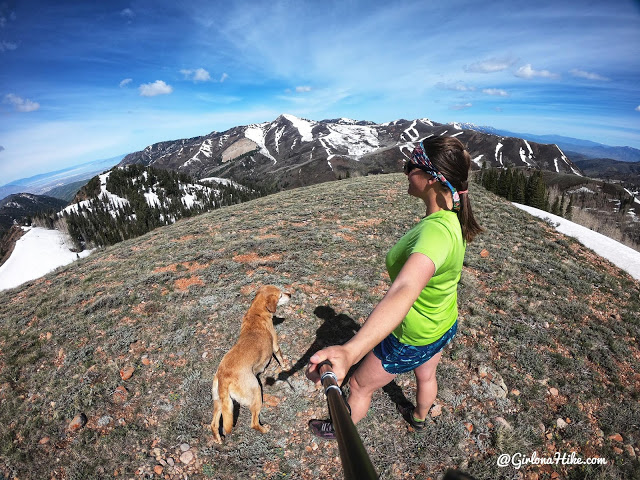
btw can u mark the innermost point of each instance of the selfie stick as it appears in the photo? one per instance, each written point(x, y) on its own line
point(356, 463)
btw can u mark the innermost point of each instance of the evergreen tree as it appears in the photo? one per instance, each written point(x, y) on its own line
point(504, 183)
point(519, 187)
point(568, 214)
point(536, 192)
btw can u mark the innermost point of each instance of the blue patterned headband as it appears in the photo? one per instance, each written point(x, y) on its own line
point(420, 159)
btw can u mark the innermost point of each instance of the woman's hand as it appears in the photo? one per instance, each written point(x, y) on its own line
point(341, 360)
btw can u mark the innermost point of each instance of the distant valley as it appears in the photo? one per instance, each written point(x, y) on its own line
point(56, 183)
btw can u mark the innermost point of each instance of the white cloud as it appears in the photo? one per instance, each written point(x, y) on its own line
point(125, 82)
point(588, 75)
point(491, 65)
point(497, 92)
point(638, 108)
point(21, 104)
point(197, 75)
point(156, 88)
point(4, 10)
point(223, 77)
point(5, 46)
point(303, 89)
point(528, 72)
point(461, 107)
point(456, 87)
point(128, 13)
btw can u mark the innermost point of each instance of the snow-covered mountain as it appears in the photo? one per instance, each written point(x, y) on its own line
point(290, 151)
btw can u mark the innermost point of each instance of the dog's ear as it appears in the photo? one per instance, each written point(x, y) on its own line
point(272, 302)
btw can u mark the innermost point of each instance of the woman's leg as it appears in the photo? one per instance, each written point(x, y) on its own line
point(427, 386)
point(369, 377)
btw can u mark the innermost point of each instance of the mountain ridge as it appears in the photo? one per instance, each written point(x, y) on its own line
point(290, 152)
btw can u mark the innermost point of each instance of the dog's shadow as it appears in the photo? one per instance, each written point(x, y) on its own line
point(335, 330)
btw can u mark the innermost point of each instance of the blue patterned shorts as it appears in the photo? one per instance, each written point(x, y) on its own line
point(397, 357)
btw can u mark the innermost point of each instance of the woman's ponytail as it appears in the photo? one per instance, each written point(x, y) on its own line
point(451, 158)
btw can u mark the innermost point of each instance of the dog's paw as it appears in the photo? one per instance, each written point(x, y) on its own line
point(262, 428)
point(285, 366)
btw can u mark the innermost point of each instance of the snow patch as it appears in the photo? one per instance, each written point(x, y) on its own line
point(327, 149)
point(223, 181)
point(152, 199)
point(580, 190)
point(38, 252)
point(349, 140)
point(279, 133)
point(477, 160)
point(529, 147)
point(256, 134)
point(413, 137)
point(222, 139)
point(498, 148)
point(523, 155)
point(620, 255)
point(304, 127)
point(205, 150)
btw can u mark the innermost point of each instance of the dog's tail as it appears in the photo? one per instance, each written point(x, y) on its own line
point(222, 406)
point(218, 407)
point(227, 407)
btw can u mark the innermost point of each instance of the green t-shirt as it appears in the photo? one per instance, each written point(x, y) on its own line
point(439, 237)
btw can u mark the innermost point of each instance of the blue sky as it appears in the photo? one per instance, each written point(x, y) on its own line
point(82, 80)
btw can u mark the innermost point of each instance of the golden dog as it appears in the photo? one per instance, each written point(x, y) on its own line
point(236, 378)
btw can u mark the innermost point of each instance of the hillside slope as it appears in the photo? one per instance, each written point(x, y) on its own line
point(545, 360)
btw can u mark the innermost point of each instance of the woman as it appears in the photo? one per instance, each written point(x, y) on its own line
point(417, 317)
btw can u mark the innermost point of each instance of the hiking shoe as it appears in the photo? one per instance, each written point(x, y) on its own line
point(322, 429)
point(407, 413)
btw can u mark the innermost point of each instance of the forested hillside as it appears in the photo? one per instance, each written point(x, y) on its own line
point(129, 201)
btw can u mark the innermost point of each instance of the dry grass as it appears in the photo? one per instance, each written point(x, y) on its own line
point(538, 311)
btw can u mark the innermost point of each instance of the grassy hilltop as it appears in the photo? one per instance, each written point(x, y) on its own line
point(545, 361)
